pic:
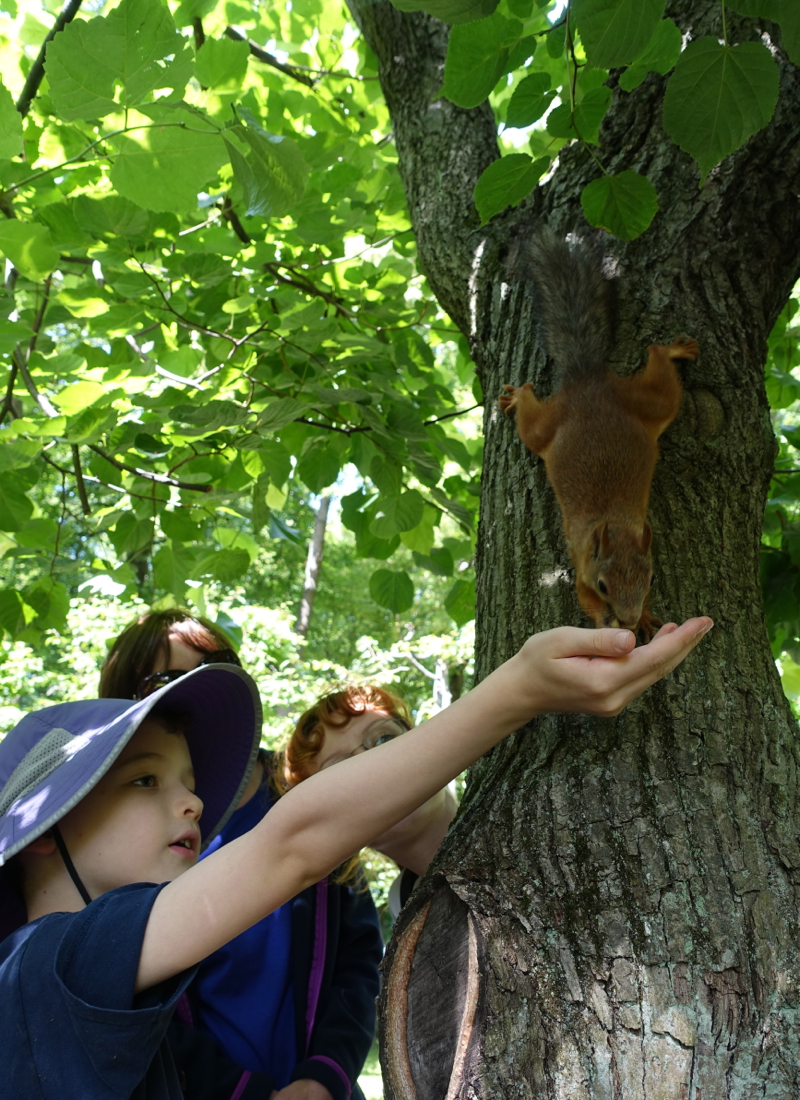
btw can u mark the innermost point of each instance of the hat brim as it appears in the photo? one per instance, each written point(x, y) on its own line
point(224, 712)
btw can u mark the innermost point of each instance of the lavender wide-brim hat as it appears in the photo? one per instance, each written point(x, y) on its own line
point(52, 758)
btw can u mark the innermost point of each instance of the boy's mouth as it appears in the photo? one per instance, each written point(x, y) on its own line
point(186, 845)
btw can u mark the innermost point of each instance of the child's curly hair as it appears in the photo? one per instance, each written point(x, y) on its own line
point(334, 709)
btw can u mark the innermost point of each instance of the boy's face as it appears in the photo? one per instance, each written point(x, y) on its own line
point(141, 822)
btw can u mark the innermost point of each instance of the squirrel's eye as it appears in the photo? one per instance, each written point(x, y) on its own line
point(602, 586)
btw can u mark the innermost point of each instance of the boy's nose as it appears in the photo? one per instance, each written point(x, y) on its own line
point(192, 806)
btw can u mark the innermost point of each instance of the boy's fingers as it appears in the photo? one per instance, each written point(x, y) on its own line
point(663, 654)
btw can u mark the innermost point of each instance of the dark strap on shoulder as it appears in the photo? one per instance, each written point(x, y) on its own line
point(70, 866)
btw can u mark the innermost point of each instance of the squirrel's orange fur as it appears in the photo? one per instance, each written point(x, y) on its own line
point(598, 436)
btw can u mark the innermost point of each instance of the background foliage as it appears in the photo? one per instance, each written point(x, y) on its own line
point(212, 313)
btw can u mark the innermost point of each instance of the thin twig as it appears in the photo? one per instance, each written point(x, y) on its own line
point(76, 463)
point(21, 361)
point(230, 216)
point(269, 59)
point(160, 479)
point(36, 74)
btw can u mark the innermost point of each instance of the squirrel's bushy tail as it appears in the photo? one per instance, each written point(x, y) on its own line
point(575, 301)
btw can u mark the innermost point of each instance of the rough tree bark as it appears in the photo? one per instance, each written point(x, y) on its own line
point(614, 913)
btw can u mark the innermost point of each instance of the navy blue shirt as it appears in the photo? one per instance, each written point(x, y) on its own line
point(72, 1027)
point(244, 990)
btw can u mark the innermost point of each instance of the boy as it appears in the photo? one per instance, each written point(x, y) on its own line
point(102, 799)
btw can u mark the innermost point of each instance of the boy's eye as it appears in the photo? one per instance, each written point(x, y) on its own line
point(145, 781)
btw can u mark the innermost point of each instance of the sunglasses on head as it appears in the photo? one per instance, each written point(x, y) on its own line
point(157, 680)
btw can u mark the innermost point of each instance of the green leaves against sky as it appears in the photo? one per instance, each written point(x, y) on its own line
point(717, 97)
point(207, 318)
point(212, 309)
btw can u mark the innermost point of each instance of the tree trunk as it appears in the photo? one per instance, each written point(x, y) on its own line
point(614, 912)
point(313, 566)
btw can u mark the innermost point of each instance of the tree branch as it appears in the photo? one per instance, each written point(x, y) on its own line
point(8, 401)
point(148, 475)
point(21, 361)
point(36, 74)
point(269, 59)
point(76, 463)
point(230, 216)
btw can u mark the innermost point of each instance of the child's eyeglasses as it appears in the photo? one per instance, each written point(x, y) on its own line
point(157, 680)
point(379, 734)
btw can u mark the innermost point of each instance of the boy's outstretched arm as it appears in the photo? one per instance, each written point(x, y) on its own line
point(329, 816)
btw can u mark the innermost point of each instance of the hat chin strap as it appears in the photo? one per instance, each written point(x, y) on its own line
point(70, 866)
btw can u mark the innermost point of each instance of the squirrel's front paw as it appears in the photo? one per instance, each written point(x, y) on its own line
point(508, 399)
point(685, 347)
point(648, 628)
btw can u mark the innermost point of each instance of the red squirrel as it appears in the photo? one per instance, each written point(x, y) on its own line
point(598, 433)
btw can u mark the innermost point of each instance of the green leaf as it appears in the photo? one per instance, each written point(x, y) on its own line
point(476, 58)
point(397, 514)
point(790, 28)
point(15, 507)
point(392, 590)
point(319, 465)
point(439, 562)
point(128, 48)
point(659, 56)
point(459, 603)
point(450, 11)
point(767, 9)
point(15, 614)
point(387, 475)
point(529, 100)
point(50, 600)
point(171, 569)
point(30, 248)
point(421, 538)
point(506, 182)
point(556, 39)
point(625, 204)
point(131, 534)
point(718, 97)
point(613, 32)
point(10, 125)
point(278, 414)
point(224, 566)
point(221, 64)
point(165, 168)
point(589, 114)
point(260, 510)
point(112, 216)
point(273, 174)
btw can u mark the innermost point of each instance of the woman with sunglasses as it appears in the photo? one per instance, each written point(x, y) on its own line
point(291, 1001)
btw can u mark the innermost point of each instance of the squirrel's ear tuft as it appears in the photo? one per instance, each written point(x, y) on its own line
point(647, 537)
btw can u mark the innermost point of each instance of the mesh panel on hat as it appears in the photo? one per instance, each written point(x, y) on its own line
point(42, 760)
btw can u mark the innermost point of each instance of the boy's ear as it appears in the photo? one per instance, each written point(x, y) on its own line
point(44, 845)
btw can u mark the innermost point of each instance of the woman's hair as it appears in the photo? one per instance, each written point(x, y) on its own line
point(146, 641)
point(334, 709)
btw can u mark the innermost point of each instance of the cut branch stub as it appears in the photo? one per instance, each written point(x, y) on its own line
point(432, 1002)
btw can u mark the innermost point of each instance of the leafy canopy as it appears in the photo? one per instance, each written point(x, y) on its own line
point(720, 93)
point(212, 313)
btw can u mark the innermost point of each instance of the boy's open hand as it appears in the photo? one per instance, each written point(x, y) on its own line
point(599, 671)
